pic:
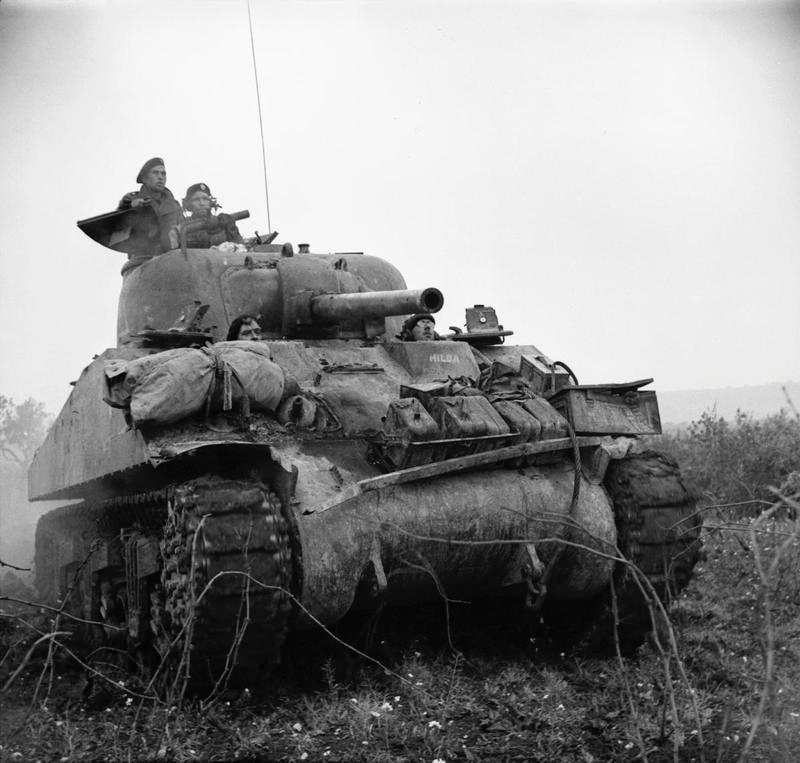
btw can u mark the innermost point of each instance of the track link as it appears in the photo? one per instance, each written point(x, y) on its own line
point(221, 627)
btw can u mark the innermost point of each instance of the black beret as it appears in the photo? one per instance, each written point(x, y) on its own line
point(147, 166)
point(415, 319)
point(197, 187)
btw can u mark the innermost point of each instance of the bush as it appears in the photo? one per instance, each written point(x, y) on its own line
point(731, 462)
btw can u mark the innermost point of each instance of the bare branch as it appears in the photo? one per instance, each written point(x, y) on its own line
point(47, 637)
point(14, 567)
point(10, 453)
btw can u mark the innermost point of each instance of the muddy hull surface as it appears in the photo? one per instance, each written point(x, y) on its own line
point(461, 536)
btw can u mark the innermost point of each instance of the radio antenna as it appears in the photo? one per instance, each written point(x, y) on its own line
point(260, 118)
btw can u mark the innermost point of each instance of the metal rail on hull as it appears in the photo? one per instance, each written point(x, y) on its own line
point(452, 465)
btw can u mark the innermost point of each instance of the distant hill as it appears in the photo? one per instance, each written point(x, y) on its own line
point(761, 400)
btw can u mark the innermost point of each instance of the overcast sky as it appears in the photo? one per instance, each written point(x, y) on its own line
point(621, 180)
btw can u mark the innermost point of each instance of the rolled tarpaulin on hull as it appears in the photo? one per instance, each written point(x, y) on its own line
point(460, 534)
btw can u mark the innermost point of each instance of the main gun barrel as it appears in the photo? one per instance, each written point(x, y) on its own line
point(330, 308)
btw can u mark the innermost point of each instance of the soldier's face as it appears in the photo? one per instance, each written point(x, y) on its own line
point(423, 331)
point(199, 203)
point(250, 330)
point(156, 178)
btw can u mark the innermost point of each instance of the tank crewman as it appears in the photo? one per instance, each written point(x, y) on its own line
point(419, 328)
point(244, 327)
point(152, 229)
point(200, 203)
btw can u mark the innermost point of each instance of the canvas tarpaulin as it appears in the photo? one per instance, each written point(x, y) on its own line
point(167, 386)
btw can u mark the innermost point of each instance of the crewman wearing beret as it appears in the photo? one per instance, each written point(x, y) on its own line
point(153, 228)
point(420, 327)
point(200, 203)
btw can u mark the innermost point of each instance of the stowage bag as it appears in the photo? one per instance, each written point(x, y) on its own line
point(167, 386)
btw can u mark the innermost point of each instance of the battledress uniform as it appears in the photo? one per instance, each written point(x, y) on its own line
point(150, 224)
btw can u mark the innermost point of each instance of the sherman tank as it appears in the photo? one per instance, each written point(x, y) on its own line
point(221, 505)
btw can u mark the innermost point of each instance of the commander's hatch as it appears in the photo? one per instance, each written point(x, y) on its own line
point(107, 229)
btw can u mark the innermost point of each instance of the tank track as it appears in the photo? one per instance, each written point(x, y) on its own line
point(657, 523)
point(227, 635)
point(145, 511)
point(241, 527)
point(658, 531)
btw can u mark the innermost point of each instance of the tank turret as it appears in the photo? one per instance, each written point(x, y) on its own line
point(345, 296)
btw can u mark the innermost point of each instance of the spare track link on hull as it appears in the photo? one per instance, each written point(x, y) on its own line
point(658, 532)
point(214, 527)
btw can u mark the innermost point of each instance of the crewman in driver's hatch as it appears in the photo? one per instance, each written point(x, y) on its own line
point(219, 228)
point(153, 228)
point(420, 327)
point(244, 327)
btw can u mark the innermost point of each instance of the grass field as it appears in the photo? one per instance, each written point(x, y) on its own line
point(721, 682)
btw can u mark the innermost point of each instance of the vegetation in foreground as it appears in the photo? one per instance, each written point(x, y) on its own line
point(721, 683)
